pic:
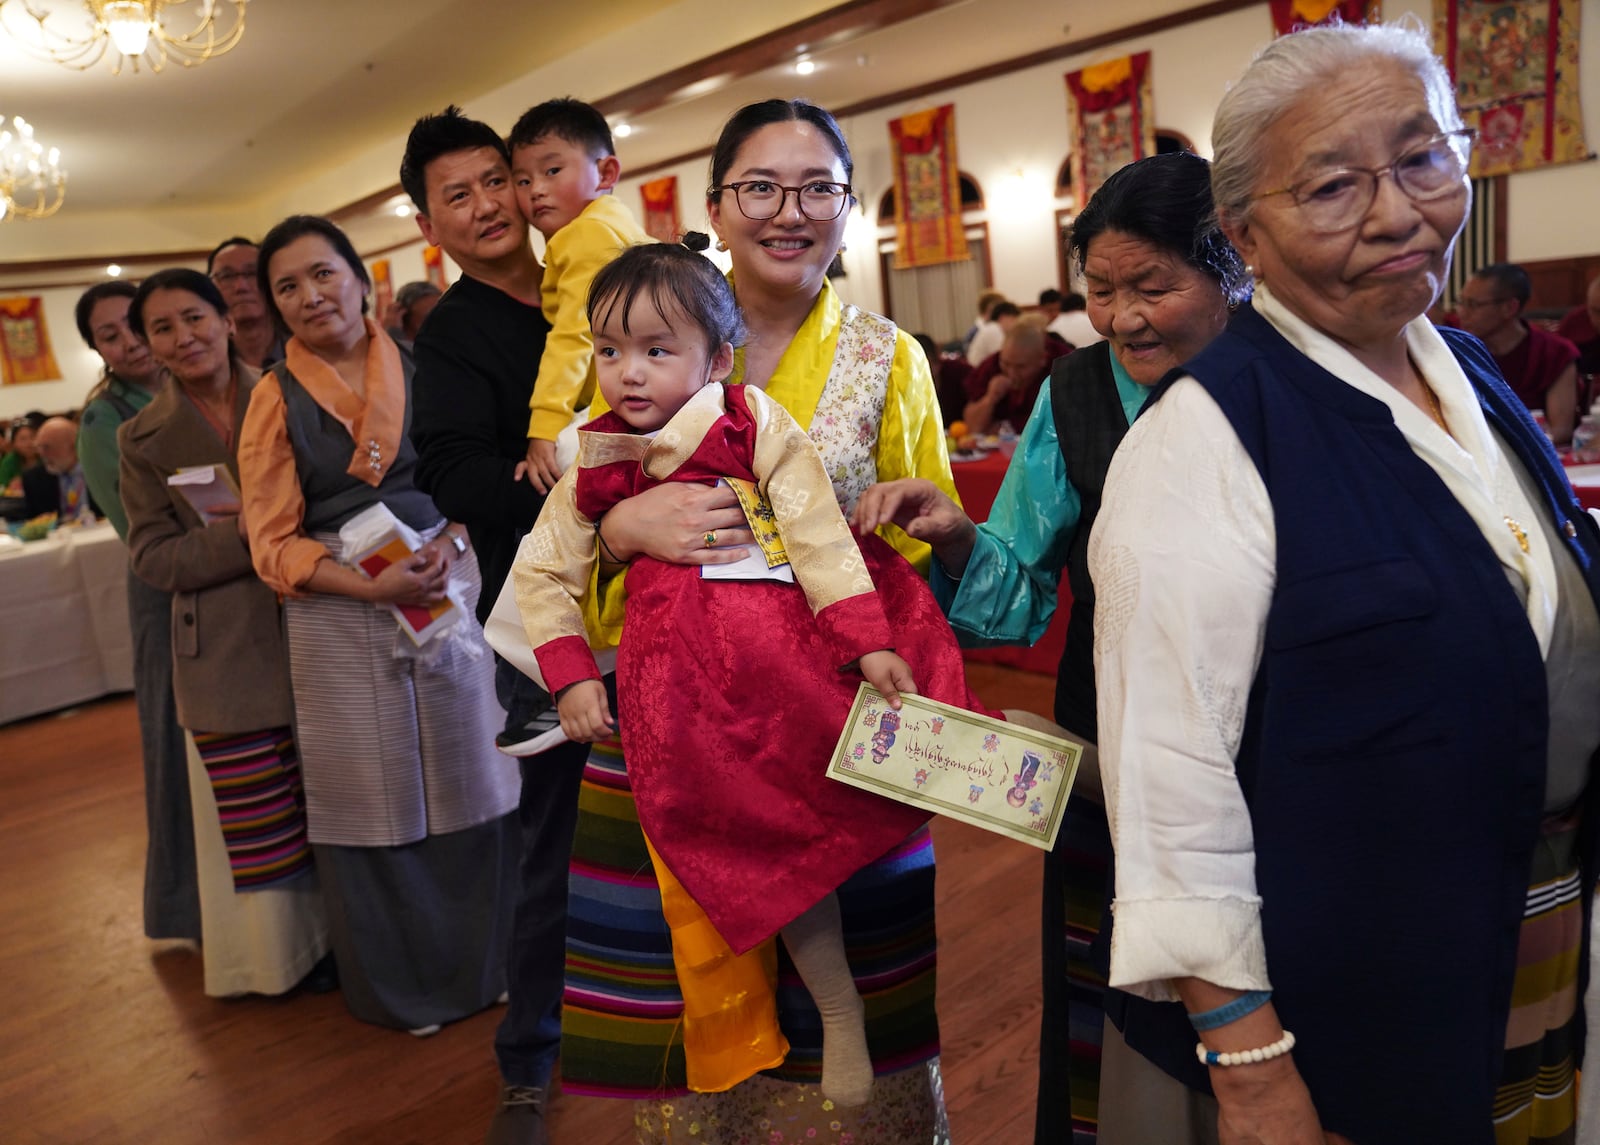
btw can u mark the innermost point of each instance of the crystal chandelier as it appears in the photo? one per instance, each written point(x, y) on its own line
point(32, 183)
point(77, 33)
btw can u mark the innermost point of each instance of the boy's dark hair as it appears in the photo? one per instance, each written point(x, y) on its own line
point(1074, 301)
point(1004, 310)
point(236, 240)
point(295, 227)
point(1050, 295)
point(90, 298)
point(443, 134)
point(175, 278)
point(570, 119)
point(674, 275)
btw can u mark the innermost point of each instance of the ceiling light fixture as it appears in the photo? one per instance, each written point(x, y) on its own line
point(32, 183)
point(403, 210)
point(114, 270)
point(804, 66)
point(77, 33)
point(622, 130)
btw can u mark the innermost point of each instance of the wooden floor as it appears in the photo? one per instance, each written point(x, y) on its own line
point(109, 1039)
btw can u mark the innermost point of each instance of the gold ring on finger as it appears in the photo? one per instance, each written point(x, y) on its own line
point(710, 539)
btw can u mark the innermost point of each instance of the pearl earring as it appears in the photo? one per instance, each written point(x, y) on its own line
point(722, 244)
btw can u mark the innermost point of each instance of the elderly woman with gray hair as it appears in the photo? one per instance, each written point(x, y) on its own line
point(1348, 654)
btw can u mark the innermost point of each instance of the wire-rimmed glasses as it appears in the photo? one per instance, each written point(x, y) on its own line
point(1339, 199)
point(762, 199)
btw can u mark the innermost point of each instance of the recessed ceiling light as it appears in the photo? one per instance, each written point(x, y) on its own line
point(403, 209)
point(804, 66)
point(622, 130)
point(113, 270)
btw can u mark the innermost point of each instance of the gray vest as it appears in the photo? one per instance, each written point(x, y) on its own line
point(322, 452)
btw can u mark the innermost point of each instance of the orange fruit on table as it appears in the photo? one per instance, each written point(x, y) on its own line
point(958, 429)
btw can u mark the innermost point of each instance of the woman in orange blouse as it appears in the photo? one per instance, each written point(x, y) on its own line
point(408, 803)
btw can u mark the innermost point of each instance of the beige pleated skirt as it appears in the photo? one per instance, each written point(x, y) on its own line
point(255, 942)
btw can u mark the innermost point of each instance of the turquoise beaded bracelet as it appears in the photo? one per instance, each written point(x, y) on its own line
point(1232, 1011)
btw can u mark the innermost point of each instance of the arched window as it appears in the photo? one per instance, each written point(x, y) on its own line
point(1168, 142)
point(937, 300)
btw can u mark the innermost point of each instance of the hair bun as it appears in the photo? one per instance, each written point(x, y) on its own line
point(696, 240)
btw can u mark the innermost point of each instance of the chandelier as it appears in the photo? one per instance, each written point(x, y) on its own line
point(77, 33)
point(32, 183)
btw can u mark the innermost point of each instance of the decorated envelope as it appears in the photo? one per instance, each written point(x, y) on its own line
point(1004, 778)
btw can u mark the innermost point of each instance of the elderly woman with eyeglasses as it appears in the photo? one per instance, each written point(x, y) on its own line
point(1348, 654)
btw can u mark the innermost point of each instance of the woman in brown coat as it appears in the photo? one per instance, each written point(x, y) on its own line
point(261, 910)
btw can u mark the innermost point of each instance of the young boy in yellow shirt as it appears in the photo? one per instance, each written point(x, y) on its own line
point(564, 167)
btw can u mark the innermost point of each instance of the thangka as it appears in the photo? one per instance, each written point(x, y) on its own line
point(1110, 117)
point(25, 343)
point(661, 209)
point(1515, 66)
point(927, 189)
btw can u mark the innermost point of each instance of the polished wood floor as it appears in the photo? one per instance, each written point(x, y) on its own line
point(109, 1039)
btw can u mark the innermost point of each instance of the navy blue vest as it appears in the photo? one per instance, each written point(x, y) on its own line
point(1393, 756)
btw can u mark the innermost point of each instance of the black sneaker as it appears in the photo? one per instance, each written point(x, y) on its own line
point(539, 734)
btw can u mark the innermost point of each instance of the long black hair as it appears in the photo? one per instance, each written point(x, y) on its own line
point(298, 227)
point(174, 278)
point(1166, 201)
point(752, 117)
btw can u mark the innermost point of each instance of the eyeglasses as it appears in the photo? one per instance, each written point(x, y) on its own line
point(762, 199)
point(1339, 199)
point(1479, 303)
point(229, 277)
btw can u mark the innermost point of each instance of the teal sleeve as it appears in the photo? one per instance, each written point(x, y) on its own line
point(1007, 594)
point(101, 461)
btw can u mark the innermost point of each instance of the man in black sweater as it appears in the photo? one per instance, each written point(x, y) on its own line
point(477, 355)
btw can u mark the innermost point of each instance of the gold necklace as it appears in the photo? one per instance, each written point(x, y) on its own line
point(1435, 411)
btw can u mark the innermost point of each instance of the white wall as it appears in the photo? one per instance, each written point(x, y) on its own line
point(1012, 137)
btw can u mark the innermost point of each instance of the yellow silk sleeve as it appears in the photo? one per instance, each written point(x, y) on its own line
point(911, 438)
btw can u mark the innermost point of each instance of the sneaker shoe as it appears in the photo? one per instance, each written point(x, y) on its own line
point(520, 1118)
point(539, 734)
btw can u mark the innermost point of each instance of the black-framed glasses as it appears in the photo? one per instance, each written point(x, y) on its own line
point(1339, 199)
point(1480, 303)
point(762, 199)
point(229, 277)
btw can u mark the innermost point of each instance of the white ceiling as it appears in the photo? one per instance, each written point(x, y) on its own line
point(310, 111)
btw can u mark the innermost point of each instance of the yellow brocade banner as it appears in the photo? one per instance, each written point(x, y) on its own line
point(1515, 67)
point(927, 189)
point(1292, 15)
point(25, 343)
point(382, 290)
point(1110, 120)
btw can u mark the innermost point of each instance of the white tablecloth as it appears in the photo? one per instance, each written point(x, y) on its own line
point(64, 634)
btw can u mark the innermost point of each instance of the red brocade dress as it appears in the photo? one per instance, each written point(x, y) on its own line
point(732, 693)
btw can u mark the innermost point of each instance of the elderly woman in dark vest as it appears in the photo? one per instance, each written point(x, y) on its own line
point(1160, 280)
point(1348, 654)
point(408, 802)
point(261, 913)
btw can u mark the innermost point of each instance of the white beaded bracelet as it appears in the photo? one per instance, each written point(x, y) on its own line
point(1246, 1057)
